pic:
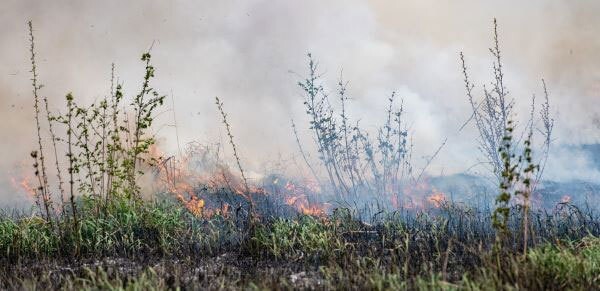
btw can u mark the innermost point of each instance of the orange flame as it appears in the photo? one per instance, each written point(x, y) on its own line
point(299, 200)
point(194, 205)
point(24, 185)
point(437, 199)
point(182, 177)
point(421, 195)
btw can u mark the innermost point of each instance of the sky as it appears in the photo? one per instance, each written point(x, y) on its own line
point(252, 53)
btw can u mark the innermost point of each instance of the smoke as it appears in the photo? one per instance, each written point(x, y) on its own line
point(252, 53)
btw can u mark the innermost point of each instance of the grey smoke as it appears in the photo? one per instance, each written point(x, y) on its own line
point(249, 53)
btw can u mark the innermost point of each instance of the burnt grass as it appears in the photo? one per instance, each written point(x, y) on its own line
point(160, 245)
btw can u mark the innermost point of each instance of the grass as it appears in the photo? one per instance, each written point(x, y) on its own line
point(297, 239)
point(124, 229)
point(98, 233)
point(160, 244)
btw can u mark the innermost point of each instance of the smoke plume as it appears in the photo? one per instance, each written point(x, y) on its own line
point(252, 53)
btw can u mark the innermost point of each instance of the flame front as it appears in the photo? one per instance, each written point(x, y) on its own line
point(437, 199)
point(194, 205)
point(421, 195)
point(186, 177)
point(298, 198)
point(24, 185)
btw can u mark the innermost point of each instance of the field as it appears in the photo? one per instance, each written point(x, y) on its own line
point(111, 211)
point(157, 245)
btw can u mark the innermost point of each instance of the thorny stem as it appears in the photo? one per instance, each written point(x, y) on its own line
point(70, 155)
point(44, 189)
point(246, 195)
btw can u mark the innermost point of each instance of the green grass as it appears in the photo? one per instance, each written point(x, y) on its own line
point(135, 245)
point(125, 228)
point(27, 236)
point(305, 237)
point(573, 264)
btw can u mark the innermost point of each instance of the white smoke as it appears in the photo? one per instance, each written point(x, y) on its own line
point(251, 53)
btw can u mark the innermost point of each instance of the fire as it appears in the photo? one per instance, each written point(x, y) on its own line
point(186, 176)
point(24, 185)
point(292, 200)
point(298, 199)
point(437, 199)
point(313, 210)
point(198, 168)
point(301, 204)
point(194, 205)
point(421, 195)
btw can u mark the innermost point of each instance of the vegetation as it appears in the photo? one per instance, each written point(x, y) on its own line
point(99, 232)
point(165, 246)
point(355, 163)
point(495, 112)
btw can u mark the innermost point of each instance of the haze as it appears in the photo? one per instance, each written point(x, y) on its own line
point(252, 53)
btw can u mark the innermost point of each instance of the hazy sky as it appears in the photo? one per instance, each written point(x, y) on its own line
point(250, 53)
